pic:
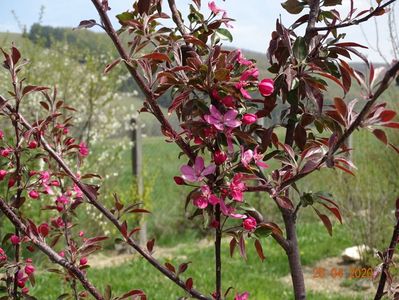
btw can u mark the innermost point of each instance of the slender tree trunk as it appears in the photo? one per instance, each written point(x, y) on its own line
point(294, 257)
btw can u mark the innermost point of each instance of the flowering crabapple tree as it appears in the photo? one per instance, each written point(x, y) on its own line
point(219, 98)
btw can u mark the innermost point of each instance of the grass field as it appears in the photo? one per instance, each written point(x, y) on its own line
point(261, 279)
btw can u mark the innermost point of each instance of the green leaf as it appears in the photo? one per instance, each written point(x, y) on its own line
point(224, 32)
point(126, 16)
point(293, 6)
point(300, 49)
point(332, 2)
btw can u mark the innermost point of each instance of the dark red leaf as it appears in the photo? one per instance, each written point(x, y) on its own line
point(150, 245)
point(124, 229)
point(326, 221)
point(335, 211)
point(387, 115)
point(111, 65)
point(156, 56)
point(132, 293)
point(233, 244)
point(350, 44)
point(189, 283)
point(340, 106)
point(15, 54)
point(133, 231)
point(138, 210)
point(183, 267)
point(86, 24)
point(259, 250)
point(380, 134)
point(144, 6)
point(33, 88)
point(170, 267)
point(178, 101)
point(391, 125)
point(284, 202)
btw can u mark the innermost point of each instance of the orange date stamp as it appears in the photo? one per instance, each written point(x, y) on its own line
point(344, 273)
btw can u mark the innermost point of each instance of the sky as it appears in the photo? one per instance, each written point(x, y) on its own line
point(255, 19)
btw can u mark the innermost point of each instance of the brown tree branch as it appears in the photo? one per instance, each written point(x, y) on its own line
point(356, 21)
point(176, 17)
point(92, 197)
point(387, 260)
point(54, 256)
point(151, 97)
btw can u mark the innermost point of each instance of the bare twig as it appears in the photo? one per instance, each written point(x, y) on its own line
point(387, 259)
point(176, 17)
point(356, 21)
point(54, 256)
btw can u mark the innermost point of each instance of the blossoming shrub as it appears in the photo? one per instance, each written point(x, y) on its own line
point(218, 98)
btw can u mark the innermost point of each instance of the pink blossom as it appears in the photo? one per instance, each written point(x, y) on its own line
point(25, 290)
point(78, 191)
point(212, 6)
point(206, 198)
point(44, 229)
point(34, 194)
point(15, 240)
point(1, 134)
point(21, 279)
point(3, 255)
point(241, 87)
point(237, 187)
point(219, 157)
point(258, 158)
point(229, 211)
point(243, 296)
point(32, 144)
point(198, 171)
point(5, 152)
point(252, 73)
point(248, 155)
point(83, 261)
point(266, 87)
point(200, 202)
point(81, 233)
point(83, 149)
point(11, 182)
point(29, 270)
point(3, 174)
point(220, 121)
point(228, 101)
point(62, 254)
point(242, 60)
point(62, 200)
point(248, 119)
point(249, 224)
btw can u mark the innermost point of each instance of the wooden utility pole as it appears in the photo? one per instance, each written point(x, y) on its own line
point(137, 170)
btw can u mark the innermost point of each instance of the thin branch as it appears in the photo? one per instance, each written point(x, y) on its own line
point(54, 256)
point(356, 21)
point(384, 84)
point(92, 197)
point(176, 17)
point(387, 260)
point(218, 260)
point(151, 97)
